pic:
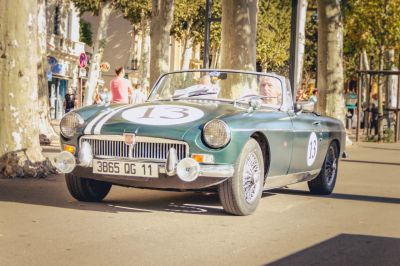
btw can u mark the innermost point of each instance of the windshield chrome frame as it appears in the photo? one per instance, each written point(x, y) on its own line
point(285, 106)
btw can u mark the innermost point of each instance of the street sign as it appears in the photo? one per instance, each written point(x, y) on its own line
point(82, 60)
point(82, 72)
point(104, 67)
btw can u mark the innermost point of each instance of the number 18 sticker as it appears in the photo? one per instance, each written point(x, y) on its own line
point(312, 149)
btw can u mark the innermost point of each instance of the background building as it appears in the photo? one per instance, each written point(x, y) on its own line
point(124, 48)
point(63, 50)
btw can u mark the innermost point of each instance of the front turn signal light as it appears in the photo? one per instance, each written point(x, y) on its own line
point(69, 148)
point(203, 158)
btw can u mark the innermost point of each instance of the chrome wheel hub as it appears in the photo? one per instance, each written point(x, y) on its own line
point(251, 178)
point(331, 166)
point(334, 166)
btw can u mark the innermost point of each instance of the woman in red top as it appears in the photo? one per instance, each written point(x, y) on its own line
point(121, 88)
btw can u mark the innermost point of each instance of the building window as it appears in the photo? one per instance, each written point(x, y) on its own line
point(57, 20)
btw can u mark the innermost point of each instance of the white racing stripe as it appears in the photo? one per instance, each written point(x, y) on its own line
point(88, 129)
point(99, 125)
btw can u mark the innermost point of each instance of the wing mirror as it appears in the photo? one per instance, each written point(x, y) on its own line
point(300, 107)
point(254, 104)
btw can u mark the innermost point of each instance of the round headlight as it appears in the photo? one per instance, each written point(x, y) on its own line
point(216, 133)
point(69, 123)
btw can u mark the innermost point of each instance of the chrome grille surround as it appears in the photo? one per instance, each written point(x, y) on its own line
point(146, 148)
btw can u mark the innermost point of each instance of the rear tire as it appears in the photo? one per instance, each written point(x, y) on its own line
point(325, 182)
point(84, 189)
point(240, 194)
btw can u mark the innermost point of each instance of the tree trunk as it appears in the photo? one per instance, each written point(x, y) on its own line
point(98, 47)
point(330, 56)
point(145, 51)
point(380, 95)
point(20, 152)
point(161, 22)
point(365, 66)
point(391, 85)
point(302, 13)
point(215, 57)
point(187, 52)
point(238, 39)
point(45, 127)
point(391, 82)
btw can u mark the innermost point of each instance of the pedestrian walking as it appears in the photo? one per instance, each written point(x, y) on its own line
point(69, 101)
point(138, 96)
point(121, 88)
point(374, 118)
point(97, 97)
point(351, 105)
point(313, 98)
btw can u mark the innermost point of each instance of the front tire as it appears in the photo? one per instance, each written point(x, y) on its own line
point(84, 189)
point(240, 194)
point(325, 182)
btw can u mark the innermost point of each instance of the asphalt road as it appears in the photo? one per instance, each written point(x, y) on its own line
point(359, 224)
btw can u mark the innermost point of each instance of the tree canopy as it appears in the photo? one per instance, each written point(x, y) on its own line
point(370, 25)
point(273, 35)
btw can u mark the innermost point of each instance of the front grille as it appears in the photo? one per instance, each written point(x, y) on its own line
point(113, 146)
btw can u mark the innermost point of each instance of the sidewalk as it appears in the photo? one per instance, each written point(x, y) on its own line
point(56, 125)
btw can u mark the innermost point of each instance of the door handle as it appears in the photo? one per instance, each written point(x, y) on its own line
point(317, 123)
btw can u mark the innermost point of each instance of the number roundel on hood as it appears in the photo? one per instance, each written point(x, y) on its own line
point(163, 115)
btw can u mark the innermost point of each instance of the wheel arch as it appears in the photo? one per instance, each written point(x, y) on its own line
point(337, 143)
point(264, 145)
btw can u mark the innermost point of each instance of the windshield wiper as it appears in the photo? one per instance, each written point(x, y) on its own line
point(252, 96)
point(199, 93)
point(193, 94)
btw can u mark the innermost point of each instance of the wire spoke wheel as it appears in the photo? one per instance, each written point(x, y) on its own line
point(331, 165)
point(240, 194)
point(251, 178)
point(325, 182)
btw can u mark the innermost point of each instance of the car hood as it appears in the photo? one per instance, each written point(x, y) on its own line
point(158, 119)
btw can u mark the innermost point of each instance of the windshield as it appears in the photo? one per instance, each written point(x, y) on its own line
point(219, 85)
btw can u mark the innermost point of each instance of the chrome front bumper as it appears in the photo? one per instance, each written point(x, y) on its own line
point(209, 176)
point(210, 170)
point(174, 173)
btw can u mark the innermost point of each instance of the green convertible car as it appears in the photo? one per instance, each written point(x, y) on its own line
point(234, 132)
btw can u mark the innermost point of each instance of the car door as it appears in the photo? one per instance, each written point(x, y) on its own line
point(309, 143)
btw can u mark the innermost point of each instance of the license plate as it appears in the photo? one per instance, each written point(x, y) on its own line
point(125, 168)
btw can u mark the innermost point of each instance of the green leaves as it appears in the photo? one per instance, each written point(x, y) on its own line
point(85, 32)
point(370, 25)
point(134, 10)
point(273, 34)
point(189, 20)
point(131, 9)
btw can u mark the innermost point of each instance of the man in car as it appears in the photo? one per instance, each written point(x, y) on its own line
point(270, 88)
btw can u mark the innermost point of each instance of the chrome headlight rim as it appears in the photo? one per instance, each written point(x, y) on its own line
point(78, 122)
point(227, 130)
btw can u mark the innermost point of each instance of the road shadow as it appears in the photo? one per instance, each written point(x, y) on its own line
point(53, 192)
point(339, 196)
point(347, 249)
point(371, 162)
point(382, 148)
point(203, 203)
